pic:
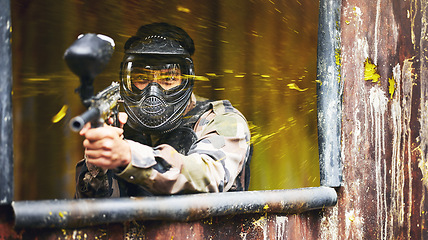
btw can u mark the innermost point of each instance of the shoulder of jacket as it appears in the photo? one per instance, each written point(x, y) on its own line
point(228, 121)
point(223, 106)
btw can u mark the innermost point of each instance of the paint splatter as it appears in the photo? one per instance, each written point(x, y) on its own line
point(370, 71)
point(60, 115)
point(294, 86)
point(201, 78)
point(262, 223)
point(391, 86)
point(183, 9)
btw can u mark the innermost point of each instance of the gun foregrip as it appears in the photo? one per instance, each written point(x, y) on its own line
point(91, 115)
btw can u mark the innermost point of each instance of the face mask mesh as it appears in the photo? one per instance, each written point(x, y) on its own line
point(155, 109)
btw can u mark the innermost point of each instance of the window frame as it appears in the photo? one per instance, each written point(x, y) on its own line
point(78, 213)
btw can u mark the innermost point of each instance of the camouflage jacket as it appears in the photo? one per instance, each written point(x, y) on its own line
point(209, 152)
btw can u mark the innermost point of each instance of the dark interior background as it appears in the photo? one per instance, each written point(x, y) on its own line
point(261, 55)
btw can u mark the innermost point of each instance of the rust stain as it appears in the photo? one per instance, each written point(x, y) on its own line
point(262, 223)
point(424, 105)
point(329, 225)
point(81, 234)
point(423, 147)
point(406, 154)
point(423, 139)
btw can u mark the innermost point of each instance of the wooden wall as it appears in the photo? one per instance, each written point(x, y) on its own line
point(384, 128)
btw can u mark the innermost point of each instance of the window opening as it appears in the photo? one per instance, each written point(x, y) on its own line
point(328, 74)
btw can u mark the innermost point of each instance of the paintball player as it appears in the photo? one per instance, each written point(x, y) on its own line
point(170, 141)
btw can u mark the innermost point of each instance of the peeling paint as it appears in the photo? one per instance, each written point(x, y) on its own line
point(376, 34)
point(423, 46)
point(378, 107)
point(396, 214)
point(412, 15)
point(243, 235)
point(280, 227)
point(423, 161)
point(407, 89)
point(262, 223)
point(358, 13)
point(329, 226)
point(354, 219)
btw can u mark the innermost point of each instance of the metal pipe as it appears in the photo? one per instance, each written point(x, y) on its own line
point(6, 132)
point(87, 212)
point(329, 91)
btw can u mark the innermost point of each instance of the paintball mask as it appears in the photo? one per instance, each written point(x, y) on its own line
point(156, 84)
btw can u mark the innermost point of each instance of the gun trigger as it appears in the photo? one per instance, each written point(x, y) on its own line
point(87, 101)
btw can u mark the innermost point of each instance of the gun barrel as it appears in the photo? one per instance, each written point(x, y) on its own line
point(100, 107)
point(77, 123)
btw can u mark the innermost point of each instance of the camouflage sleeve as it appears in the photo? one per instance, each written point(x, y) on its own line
point(91, 181)
point(212, 164)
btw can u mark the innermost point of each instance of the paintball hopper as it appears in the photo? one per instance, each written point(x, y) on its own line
point(87, 57)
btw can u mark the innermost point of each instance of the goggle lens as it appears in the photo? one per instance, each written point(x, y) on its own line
point(167, 75)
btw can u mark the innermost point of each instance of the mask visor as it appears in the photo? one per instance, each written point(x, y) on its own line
point(138, 73)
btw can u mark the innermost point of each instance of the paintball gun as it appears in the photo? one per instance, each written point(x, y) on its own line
point(87, 57)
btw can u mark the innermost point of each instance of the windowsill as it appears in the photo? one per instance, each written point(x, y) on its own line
point(87, 212)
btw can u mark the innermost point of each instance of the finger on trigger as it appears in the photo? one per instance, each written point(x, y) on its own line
point(123, 118)
point(85, 128)
point(110, 121)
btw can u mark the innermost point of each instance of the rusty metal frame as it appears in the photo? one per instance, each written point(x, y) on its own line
point(329, 92)
point(6, 131)
point(78, 213)
point(87, 212)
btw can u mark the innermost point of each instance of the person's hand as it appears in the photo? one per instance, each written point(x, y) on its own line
point(105, 147)
point(122, 117)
